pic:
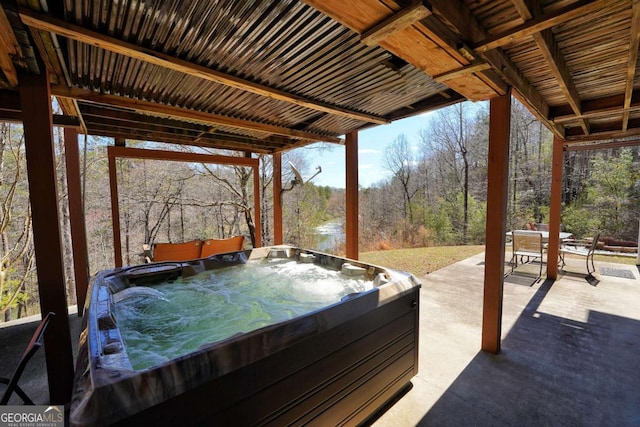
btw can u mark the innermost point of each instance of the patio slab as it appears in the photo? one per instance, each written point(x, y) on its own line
point(569, 352)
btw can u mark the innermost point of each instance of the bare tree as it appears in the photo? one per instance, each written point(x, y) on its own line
point(398, 159)
point(449, 138)
point(17, 264)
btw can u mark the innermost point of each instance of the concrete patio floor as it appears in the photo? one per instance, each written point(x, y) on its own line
point(570, 352)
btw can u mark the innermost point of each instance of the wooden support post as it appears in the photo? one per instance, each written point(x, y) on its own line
point(115, 209)
point(257, 221)
point(554, 208)
point(497, 193)
point(41, 168)
point(351, 195)
point(277, 199)
point(76, 217)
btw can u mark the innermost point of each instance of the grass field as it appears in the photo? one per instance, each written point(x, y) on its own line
point(420, 261)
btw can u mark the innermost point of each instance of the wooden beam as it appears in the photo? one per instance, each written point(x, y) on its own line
point(9, 49)
point(11, 110)
point(609, 106)
point(400, 20)
point(170, 111)
point(497, 194)
point(115, 122)
point(257, 224)
point(558, 66)
point(277, 199)
point(114, 152)
point(609, 130)
point(456, 14)
point(632, 62)
point(115, 210)
point(213, 142)
point(41, 168)
point(75, 32)
point(178, 156)
point(58, 119)
point(599, 145)
point(475, 67)
point(554, 209)
point(351, 196)
point(434, 102)
point(76, 217)
point(554, 58)
point(540, 23)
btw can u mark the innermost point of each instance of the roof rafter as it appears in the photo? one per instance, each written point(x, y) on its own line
point(554, 58)
point(219, 143)
point(604, 131)
point(537, 24)
point(460, 17)
point(396, 22)
point(9, 47)
point(127, 119)
point(47, 23)
point(185, 113)
point(599, 145)
point(601, 107)
point(632, 62)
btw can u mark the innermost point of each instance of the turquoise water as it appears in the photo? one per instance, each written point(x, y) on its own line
point(174, 319)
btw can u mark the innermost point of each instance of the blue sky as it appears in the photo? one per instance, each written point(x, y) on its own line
point(371, 146)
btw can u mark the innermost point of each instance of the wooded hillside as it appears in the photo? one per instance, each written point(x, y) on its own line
point(436, 196)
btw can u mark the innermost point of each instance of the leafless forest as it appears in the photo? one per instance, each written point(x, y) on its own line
point(436, 196)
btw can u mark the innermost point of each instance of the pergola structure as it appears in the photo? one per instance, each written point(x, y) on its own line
point(266, 76)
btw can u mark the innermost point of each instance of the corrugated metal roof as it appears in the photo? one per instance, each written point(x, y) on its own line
point(270, 75)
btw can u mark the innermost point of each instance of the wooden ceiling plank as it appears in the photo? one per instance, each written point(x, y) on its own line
point(184, 113)
point(542, 22)
point(396, 22)
point(66, 29)
point(9, 48)
point(634, 44)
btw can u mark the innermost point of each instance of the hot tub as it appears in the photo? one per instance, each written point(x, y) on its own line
point(335, 358)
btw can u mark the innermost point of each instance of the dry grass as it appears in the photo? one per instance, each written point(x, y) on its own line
point(420, 261)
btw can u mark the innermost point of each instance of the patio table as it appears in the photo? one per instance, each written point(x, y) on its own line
point(545, 235)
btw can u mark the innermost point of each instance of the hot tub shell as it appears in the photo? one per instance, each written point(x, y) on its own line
point(334, 366)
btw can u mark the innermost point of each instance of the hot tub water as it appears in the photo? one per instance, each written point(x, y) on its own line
point(173, 319)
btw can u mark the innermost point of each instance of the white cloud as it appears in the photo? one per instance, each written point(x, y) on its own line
point(365, 165)
point(368, 151)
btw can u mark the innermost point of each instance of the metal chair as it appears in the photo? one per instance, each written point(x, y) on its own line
point(527, 244)
point(32, 347)
point(581, 248)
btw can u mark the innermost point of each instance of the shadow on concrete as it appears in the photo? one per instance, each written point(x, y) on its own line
point(589, 278)
point(551, 371)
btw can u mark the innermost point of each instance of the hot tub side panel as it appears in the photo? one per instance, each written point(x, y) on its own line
point(341, 376)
